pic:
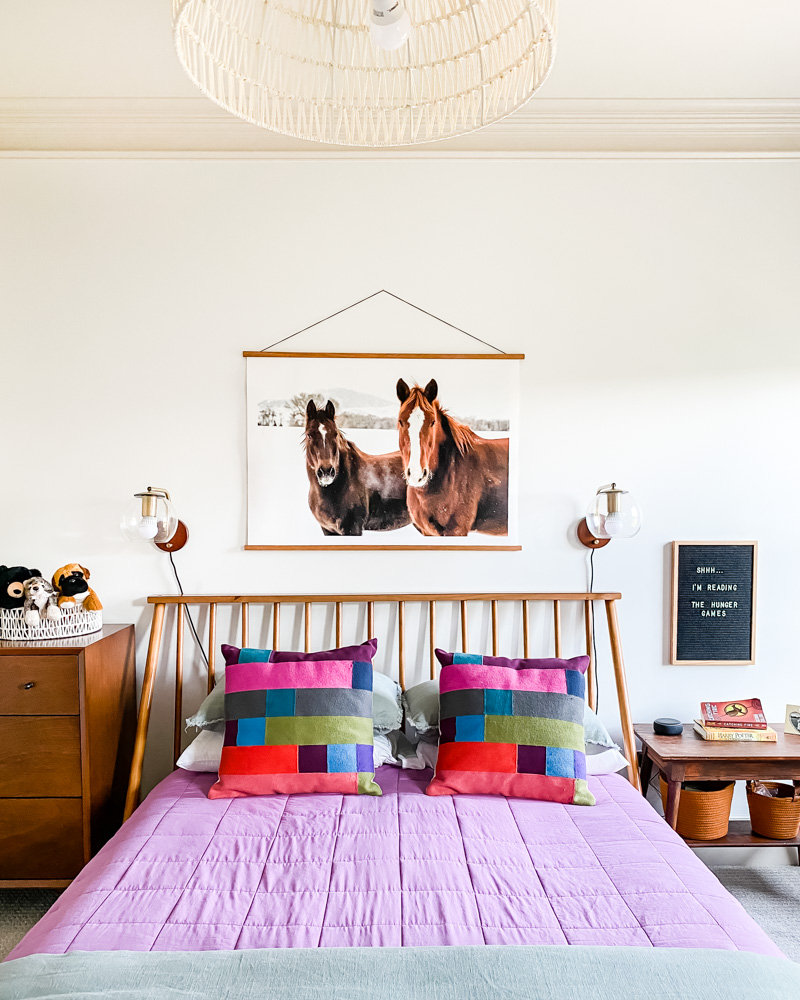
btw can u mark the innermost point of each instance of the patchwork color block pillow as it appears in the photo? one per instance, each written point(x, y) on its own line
point(211, 714)
point(364, 651)
point(511, 727)
point(297, 726)
point(387, 705)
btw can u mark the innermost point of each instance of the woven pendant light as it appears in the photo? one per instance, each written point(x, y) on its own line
point(310, 69)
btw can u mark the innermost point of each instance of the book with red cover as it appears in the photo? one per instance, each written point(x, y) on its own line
point(746, 714)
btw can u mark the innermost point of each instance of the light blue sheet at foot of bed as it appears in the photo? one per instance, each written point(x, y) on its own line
point(437, 973)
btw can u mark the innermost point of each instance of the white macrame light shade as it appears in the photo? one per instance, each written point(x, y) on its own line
point(308, 68)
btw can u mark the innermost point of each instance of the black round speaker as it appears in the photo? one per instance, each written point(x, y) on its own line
point(668, 727)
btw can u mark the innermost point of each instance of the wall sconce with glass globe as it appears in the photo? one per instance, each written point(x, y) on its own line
point(150, 516)
point(613, 513)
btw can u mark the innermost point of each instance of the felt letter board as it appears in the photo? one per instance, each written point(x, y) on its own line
point(713, 602)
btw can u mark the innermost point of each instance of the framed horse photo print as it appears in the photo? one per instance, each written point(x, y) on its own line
point(378, 451)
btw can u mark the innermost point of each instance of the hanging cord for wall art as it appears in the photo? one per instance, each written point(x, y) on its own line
point(383, 291)
point(594, 641)
point(185, 607)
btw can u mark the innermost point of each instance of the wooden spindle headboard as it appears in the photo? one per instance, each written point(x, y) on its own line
point(399, 601)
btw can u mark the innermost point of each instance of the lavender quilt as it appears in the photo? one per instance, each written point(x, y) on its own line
point(187, 873)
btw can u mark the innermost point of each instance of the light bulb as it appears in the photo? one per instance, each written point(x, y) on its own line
point(613, 513)
point(148, 527)
point(614, 524)
point(389, 24)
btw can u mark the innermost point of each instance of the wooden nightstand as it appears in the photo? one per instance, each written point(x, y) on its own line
point(67, 720)
point(689, 757)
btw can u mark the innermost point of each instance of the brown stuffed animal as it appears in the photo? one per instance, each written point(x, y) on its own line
point(70, 582)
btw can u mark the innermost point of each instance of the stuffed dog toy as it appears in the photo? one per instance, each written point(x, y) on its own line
point(40, 602)
point(70, 582)
point(12, 591)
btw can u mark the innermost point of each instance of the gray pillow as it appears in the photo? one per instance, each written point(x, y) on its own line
point(422, 706)
point(422, 711)
point(211, 714)
point(387, 704)
point(595, 732)
point(387, 708)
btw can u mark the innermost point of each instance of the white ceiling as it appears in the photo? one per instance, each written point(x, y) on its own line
point(620, 49)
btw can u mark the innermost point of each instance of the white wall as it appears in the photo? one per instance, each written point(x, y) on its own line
point(656, 302)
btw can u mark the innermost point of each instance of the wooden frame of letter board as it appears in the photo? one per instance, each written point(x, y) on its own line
point(673, 645)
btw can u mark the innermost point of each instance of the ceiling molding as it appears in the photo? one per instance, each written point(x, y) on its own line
point(195, 127)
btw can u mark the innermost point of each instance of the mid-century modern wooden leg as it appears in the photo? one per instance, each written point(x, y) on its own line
point(673, 800)
point(628, 738)
point(646, 771)
point(151, 665)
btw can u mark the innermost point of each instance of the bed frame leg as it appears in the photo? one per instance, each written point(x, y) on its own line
point(673, 801)
point(646, 771)
point(134, 785)
point(628, 738)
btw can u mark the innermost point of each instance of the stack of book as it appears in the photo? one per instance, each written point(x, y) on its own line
point(734, 720)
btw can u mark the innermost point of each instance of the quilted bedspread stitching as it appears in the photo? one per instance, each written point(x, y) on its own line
point(189, 873)
point(333, 862)
point(533, 865)
point(263, 870)
point(170, 807)
point(454, 802)
point(589, 847)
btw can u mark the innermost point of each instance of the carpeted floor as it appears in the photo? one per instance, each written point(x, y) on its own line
point(770, 895)
point(19, 911)
point(772, 898)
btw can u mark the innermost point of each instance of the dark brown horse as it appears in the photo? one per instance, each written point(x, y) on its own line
point(350, 492)
point(457, 481)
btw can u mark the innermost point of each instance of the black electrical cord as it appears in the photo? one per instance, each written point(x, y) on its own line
point(186, 609)
point(594, 641)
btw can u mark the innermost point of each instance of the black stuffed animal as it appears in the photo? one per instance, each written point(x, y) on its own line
point(12, 594)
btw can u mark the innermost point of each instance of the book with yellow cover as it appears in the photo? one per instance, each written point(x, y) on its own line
point(767, 735)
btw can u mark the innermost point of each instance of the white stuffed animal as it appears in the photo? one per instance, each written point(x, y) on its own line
point(40, 602)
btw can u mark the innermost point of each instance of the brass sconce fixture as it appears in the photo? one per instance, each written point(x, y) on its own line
point(613, 513)
point(150, 516)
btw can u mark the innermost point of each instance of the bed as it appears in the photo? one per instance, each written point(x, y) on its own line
point(315, 889)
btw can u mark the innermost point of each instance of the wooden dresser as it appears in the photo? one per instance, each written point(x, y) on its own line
point(67, 721)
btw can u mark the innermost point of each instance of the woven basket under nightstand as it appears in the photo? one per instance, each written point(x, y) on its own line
point(704, 809)
point(778, 816)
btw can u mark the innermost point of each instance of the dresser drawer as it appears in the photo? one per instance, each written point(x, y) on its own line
point(41, 838)
point(40, 755)
point(39, 685)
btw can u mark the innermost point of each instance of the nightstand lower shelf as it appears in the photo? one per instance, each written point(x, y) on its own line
point(740, 835)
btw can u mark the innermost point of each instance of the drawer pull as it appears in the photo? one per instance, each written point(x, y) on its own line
point(29, 685)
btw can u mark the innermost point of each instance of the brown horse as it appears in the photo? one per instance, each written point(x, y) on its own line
point(457, 481)
point(349, 491)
